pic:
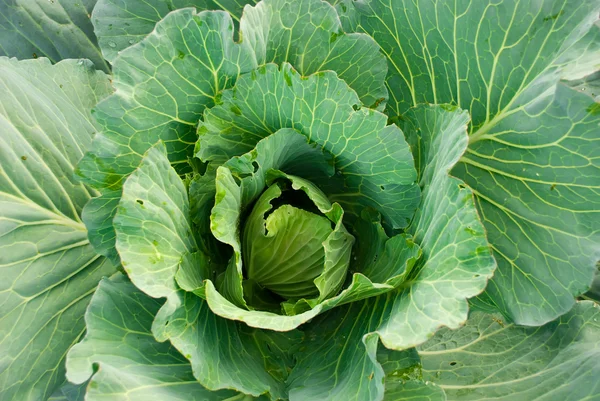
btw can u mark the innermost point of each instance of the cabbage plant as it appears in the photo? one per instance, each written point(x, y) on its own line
point(359, 200)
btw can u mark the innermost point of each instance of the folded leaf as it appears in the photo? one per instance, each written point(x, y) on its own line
point(153, 225)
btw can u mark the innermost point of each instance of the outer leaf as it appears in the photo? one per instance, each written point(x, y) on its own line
point(162, 86)
point(456, 261)
point(492, 359)
point(371, 156)
point(48, 268)
point(520, 50)
point(153, 224)
point(532, 159)
point(308, 34)
point(119, 24)
point(540, 204)
point(338, 361)
point(132, 364)
point(57, 29)
point(413, 391)
point(227, 354)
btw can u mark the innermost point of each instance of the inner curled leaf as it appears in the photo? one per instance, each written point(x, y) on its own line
point(285, 246)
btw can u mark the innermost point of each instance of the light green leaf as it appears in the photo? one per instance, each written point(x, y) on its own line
point(493, 359)
point(48, 268)
point(120, 24)
point(57, 29)
point(337, 246)
point(457, 261)
point(225, 223)
point(132, 365)
point(153, 224)
point(372, 156)
point(233, 197)
point(284, 251)
point(194, 268)
point(397, 258)
point(202, 190)
point(359, 288)
point(288, 150)
point(228, 354)
point(532, 160)
point(284, 149)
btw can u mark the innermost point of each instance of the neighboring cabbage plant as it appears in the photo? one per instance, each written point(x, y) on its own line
point(283, 209)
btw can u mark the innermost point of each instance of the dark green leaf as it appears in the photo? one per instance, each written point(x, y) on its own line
point(490, 358)
point(132, 365)
point(56, 29)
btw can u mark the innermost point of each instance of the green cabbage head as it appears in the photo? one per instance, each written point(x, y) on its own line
point(368, 200)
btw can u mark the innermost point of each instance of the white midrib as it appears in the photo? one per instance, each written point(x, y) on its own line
point(59, 218)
